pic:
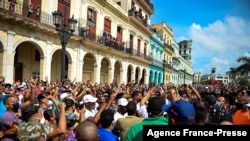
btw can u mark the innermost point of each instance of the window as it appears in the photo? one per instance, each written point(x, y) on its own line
point(67, 1)
point(90, 14)
point(36, 75)
point(138, 45)
point(145, 48)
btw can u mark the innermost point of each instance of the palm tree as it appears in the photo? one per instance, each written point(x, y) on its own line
point(232, 73)
point(244, 68)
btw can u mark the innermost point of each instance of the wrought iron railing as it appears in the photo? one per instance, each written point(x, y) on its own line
point(22, 9)
point(150, 4)
point(138, 17)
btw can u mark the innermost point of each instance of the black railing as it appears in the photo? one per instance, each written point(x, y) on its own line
point(149, 4)
point(119, 46)
point(138, 16)
point(169, 47)
point(169, 66)
point(156, 62)
point(21, 9)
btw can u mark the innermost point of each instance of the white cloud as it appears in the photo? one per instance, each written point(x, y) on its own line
point(219, 44)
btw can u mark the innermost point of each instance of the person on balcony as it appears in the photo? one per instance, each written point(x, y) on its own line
point(30, 11)
point(12, 5)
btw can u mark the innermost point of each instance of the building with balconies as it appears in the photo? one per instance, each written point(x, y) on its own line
point(167, 34)
point(176, 63)
point(156, 69)
point(111, 40)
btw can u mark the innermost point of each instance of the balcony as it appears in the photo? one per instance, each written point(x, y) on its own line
point(38, 20)
point(120, 47)
point(148, 6)
point(176, 59)
point(138, 54)
point(156, 62)
point(137, 18)
point(169, 66)
point(167, 46)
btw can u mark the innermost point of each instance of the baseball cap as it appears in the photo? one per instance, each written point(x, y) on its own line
point(89, 98)
point(63, 95)
point(22, 86)
point(122, 102)
point(181, 110)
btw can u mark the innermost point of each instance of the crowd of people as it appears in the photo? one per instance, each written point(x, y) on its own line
point(34, 110)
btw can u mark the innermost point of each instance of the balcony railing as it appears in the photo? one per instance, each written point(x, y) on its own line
point(169, 66)
point(119, 46)
point(138, 17)
point(21, 9)
point(156, 62)
point(169, 47)
point(150, 4)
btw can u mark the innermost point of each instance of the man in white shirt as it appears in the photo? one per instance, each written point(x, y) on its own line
point(121, 111)
point(90, 104)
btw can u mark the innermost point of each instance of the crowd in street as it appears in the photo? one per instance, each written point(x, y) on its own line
point(38, 110)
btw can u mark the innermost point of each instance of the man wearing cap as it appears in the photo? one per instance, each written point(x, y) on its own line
point(91, 112)
point(121, 111)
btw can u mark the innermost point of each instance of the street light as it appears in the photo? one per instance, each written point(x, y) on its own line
point(64, 33)
point(164, 62)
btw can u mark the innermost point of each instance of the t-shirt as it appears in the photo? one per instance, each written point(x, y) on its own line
point(106, 135)
point(89, 113)
point(30, 131)
point(241, 118)
point(135, 131)
point(2, 106)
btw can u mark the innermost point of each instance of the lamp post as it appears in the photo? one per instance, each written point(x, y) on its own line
point(164, 62)
point(64, 32)
point(184, 75)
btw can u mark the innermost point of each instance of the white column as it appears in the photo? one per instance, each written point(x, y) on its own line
point(9, 58)
point(111, 70)
point(133, 74)
point(97, 72)
point(100, 25)
point(79, 67)
point(124, 76)
point(45, 64)
point(74, 64)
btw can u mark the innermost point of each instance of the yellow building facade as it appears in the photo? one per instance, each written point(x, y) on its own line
point(111, 41)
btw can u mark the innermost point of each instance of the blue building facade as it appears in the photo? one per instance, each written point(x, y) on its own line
point(157, 54)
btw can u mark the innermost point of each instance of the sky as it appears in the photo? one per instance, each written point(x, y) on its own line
point(219, 30)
